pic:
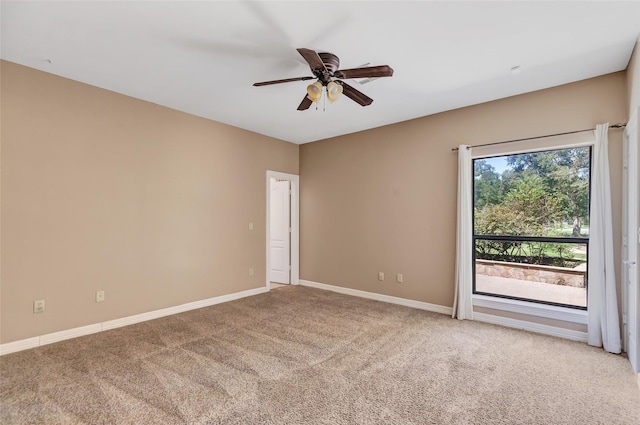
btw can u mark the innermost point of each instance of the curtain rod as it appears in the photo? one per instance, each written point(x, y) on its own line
point(617, 125)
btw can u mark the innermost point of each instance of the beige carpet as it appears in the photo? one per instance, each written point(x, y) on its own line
point(305, 356)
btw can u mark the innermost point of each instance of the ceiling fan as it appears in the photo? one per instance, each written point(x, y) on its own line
point(324, 67)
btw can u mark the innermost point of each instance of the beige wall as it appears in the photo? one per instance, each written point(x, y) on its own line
point(385, 199)
point(104, 192)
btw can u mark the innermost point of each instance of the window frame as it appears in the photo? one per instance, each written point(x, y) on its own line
point(528, 306)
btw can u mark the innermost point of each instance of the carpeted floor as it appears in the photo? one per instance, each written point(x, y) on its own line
point(304, 356)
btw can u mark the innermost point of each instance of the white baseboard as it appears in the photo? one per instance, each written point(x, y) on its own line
point(156, 314)
point(37, 341)
point(480, 317)
point(380, 297)
point(531, 326)
point(25, 344)
point(68, 334)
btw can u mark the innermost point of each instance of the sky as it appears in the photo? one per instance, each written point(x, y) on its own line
point(498, 162)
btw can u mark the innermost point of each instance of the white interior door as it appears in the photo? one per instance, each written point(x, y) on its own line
point(631, 244)
point(279, 231)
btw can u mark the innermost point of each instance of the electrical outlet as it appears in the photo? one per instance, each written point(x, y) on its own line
point(381, 276)
point(399, 278)
point(250, 226)
point(99, 296)
point(250, 271)
point(38, 306)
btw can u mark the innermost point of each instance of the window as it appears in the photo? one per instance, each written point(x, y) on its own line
point(531, 226)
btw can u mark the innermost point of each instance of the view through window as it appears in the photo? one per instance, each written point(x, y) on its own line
point(531, 226)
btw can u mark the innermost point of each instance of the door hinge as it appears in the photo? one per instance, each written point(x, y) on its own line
point(289, 267)
point(290, 230)
point(290, 193)
point(624, 318)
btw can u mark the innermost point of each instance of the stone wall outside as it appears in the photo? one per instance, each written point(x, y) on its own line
point(535, 273)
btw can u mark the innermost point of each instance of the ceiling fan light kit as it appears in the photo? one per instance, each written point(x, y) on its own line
point(314, 91)
point(334, 91)
point(324, 67)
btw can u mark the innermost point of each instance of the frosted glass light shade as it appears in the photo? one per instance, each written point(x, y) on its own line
point(314, 91)
point(334, 91)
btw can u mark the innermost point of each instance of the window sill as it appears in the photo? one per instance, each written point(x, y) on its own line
point(531, 309)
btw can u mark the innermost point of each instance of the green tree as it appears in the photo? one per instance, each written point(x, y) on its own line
point(565, 175)
point(488, 187)
point(571, 183)
point(528, 209)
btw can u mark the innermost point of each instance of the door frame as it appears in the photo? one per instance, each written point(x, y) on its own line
point(630, 238)
point(295, 225)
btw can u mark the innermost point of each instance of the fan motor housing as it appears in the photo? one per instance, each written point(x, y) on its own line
point(331, 61)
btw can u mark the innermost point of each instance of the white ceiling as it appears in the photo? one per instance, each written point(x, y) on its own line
point(203, 57)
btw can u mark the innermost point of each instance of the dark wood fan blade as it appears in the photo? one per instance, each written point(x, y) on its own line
point(286, 80)
point(304, 105)
point(354, 94)
point(366, 72)
point(311, 56)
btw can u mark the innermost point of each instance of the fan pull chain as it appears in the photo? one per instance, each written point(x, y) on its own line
point(324, 99)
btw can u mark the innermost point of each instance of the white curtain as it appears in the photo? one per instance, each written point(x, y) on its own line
point(462, 306)
point(604, 329)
